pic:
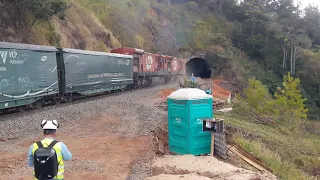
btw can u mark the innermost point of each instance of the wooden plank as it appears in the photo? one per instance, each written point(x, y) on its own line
point(254, 164)
point(212, 144)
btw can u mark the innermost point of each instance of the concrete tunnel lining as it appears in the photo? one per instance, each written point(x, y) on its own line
point(199, 67)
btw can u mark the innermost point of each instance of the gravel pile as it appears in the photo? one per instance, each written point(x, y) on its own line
point(136, 107)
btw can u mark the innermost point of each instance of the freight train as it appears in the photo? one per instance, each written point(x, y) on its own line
point(33, 75)
point(147, 65)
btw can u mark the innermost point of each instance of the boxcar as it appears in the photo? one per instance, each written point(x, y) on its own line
point(147, 65)
point(28, 75)
point(85, 73)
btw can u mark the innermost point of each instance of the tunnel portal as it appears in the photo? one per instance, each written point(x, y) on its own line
point(199, 67)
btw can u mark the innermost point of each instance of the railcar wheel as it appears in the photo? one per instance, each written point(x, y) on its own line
point(149, 81)
point(69, 98)
point(56, 100)
point(38, 104)
point(162, 79)
point(22, 108)
point(3, 111)
point(140, 83)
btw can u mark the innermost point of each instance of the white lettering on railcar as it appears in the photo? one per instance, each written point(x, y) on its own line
point(16, 61)
point(82, 63)
point(4, 55)
point(93, 76)
point(3, 69)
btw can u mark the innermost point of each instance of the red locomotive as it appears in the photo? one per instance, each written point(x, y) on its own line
point(147, 65)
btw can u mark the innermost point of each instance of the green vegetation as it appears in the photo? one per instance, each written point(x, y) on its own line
point(292, 155)
point(22, 15)
point(274, 129)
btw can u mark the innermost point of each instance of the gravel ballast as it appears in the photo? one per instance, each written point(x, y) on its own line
point(137, 105)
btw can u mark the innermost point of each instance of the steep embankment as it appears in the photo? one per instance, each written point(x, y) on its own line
point(84, 31)
point(80, 29)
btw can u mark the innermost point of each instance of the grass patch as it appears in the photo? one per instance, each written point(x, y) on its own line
point(291, 155)
point(44, 34)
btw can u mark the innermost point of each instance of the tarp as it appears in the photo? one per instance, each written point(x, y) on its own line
point(28, 72)
point(94, 71)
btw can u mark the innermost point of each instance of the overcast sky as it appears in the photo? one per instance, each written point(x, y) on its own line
point(305, 3)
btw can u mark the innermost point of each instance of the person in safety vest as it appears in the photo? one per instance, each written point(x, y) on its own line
point(62, 152)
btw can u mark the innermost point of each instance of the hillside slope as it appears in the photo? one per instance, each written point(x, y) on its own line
point(80, 29)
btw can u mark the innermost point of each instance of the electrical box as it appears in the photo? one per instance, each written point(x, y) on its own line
point(212, 125)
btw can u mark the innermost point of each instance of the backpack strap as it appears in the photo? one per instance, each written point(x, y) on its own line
point(54, 142)
point(39, 144)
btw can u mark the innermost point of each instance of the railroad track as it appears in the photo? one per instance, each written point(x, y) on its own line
point(81, 99)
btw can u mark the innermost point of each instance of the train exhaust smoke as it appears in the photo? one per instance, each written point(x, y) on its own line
point(199, 67)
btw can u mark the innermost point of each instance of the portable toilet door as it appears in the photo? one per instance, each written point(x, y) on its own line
point(186, 108)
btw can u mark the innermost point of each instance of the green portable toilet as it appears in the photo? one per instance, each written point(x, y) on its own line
point(186, 108)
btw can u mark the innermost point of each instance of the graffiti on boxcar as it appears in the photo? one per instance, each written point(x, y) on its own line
point(28, 93)
point(3, 69)
point(124, 62)
point(24, 84)
point(12, 84)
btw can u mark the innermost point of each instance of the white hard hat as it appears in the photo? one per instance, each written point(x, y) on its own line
point(50, 124)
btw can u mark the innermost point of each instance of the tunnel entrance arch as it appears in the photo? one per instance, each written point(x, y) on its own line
point(199, 67)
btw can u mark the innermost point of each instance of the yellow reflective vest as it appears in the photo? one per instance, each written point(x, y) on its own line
point(57, 148)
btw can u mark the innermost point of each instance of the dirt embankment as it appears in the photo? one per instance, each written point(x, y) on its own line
point(80, 30)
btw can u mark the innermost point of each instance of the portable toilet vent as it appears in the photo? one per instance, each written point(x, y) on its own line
point(186, 108)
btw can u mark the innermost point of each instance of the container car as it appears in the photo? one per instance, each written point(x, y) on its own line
point(90, 72)
point(32, 75)
point(28, 75)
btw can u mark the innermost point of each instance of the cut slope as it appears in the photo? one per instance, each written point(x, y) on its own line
point(80, 30)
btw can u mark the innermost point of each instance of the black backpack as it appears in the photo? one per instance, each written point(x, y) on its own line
point(45, 161)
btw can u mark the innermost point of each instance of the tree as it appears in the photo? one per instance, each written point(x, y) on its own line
point(289, 99)
point(258, 97)
point(42, 10)
point(23, 14)
point(312, 23)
